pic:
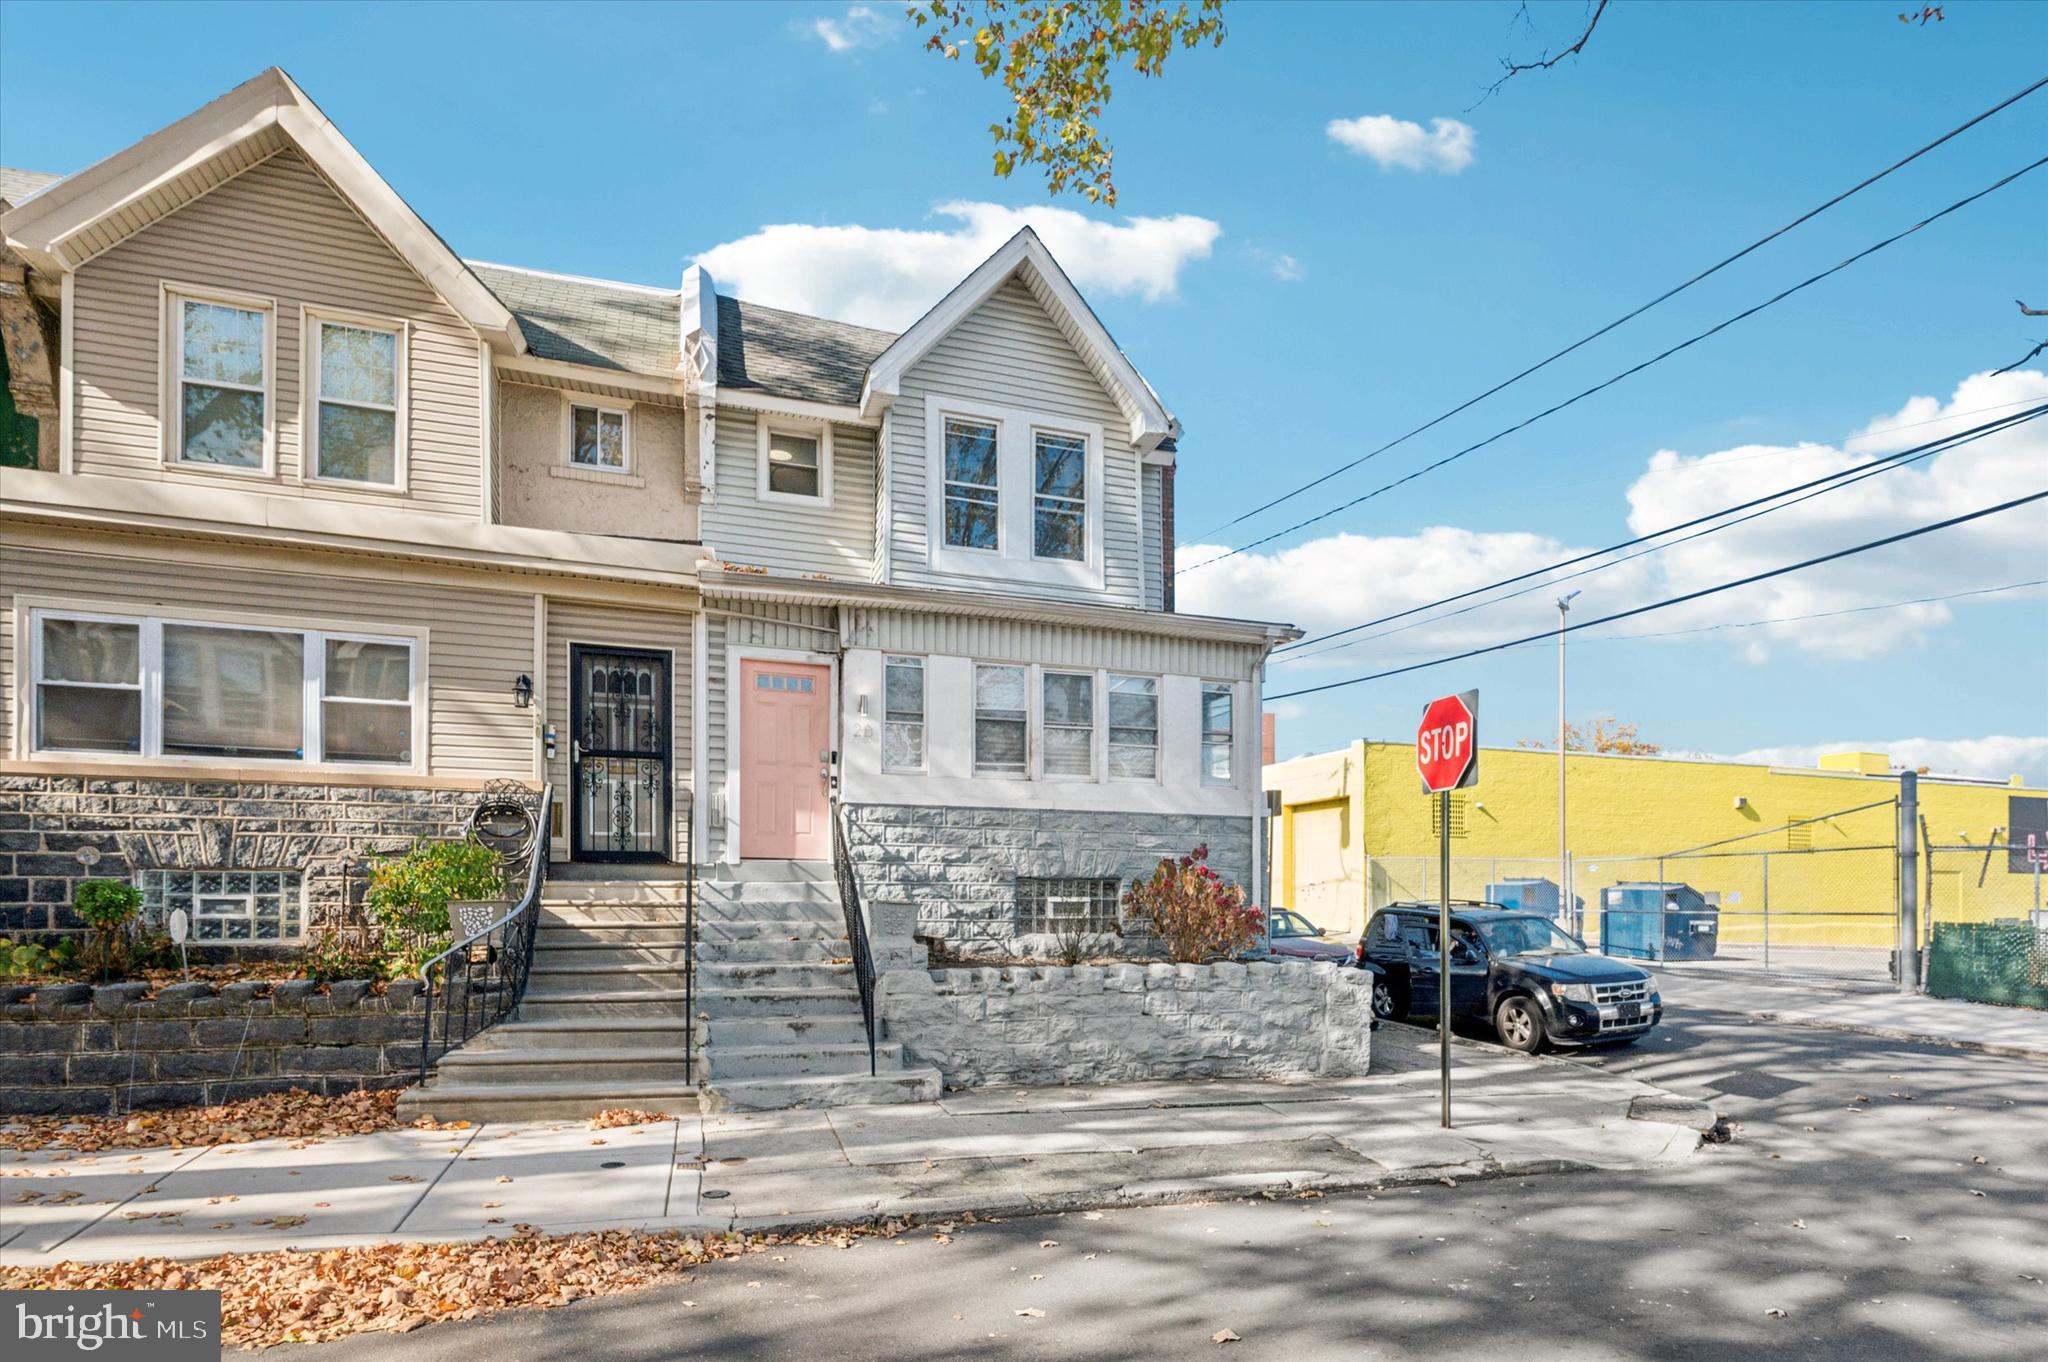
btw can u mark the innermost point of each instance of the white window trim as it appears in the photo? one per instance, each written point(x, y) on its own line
point(924, 718)
point(171, 377)
point(30, 615)
point(310, 321)
point(821, 431)
point(1158, 728)
point(622, 410)
point(1012, 559)
point(1204, 686)
point(1090, 503)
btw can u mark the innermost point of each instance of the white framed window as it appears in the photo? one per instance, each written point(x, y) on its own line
point(1133, 728)
point(211, 691)
point(355, 384)
point(228, 905)
point(1068, 724)
point(1002, 721)
point(599, 437)
point(221, 352)
point(903, 730)
point(973, 491)
point(1218, 732)
point(1059, 496)
point(795, 464)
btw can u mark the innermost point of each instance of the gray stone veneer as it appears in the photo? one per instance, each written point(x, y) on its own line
point(959, 866)
point(322, 831)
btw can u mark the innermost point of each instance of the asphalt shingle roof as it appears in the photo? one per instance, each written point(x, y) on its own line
point(586, 321)
point(16, 185)
point(787, 354)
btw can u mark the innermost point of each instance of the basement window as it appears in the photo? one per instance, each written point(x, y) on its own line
point(1066, 904)
point(227, 906)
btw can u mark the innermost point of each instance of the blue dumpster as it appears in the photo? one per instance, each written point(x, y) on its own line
point(1525, 894)
point(1651, 921)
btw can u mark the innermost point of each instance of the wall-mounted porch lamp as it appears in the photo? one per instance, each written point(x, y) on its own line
point(522, 691)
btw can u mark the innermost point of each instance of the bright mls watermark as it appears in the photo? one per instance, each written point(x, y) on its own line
point(161, 1326)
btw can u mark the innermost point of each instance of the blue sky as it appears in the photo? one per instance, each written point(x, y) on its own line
point(1297, 301)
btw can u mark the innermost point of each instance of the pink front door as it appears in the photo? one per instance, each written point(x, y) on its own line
point(785, 747)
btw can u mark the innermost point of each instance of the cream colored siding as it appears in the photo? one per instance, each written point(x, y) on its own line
point(538, 486)
point(477, 640)
point(1154, 481)
point(1010, 353)
point(1051, 644)
point(785, 536)
point(758, 626)
point(600, 625)
point(277, 231)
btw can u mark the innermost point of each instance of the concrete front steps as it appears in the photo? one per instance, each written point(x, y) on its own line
point(604, 1022)
point(780, 1003)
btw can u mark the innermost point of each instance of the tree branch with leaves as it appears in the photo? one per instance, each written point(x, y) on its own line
point(1055, 57)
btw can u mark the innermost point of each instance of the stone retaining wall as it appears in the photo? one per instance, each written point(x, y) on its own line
point(959, 866)
point(74, 1049)
point(129, 824)
point(1118, 1023)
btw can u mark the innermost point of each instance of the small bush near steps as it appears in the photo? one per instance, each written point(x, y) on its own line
point(409, 896)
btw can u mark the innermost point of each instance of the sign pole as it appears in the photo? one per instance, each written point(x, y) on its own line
point(1443, 944)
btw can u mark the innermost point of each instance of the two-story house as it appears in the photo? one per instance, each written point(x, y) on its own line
point(330, 525)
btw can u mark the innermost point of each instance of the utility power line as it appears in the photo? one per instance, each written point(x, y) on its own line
point(1825, 483)
point(1629, 372)
point(1900, 537)
point(1626, 317)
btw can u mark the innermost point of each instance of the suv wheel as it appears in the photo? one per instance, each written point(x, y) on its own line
point(1519, 1025)
point(1385, 1004)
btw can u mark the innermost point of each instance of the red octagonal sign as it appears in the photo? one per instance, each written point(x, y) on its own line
point(1447, 743)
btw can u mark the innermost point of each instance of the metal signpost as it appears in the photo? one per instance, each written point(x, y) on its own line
point(1447, 757)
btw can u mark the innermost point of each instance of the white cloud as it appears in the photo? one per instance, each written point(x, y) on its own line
point(888, 277)
point(1287, 269)
point(1989, 758)
point(859, 27)
point(1397, 144)
point(1336, 581)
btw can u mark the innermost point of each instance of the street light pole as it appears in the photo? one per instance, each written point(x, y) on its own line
point(1567, 907)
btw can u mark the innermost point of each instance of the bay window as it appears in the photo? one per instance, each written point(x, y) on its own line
point(1002, 720)
point(220, 353)
point(200, 690)
point(355, 430)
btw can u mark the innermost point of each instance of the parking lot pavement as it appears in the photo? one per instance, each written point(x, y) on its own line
point(2015, 1031)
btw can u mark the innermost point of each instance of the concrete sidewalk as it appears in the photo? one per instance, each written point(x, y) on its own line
point(991, 1150)
point(2016, 1031)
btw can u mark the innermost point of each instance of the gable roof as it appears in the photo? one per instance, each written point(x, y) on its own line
point(74, 219)
point(1025, 256)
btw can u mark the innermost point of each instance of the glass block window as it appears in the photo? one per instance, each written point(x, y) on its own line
point(227, 905)
point(903, 714)
point(1057, 903)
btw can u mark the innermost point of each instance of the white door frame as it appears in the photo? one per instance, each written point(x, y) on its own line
point(744, 652)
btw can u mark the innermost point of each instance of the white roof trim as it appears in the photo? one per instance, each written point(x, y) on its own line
point(1151, 422)
point(41, 226)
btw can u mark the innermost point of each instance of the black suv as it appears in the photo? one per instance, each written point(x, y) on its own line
point(1520, 972)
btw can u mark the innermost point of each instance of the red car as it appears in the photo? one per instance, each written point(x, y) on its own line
point(1294, 936)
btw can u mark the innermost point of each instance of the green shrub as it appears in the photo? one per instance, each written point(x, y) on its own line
point(27, 960)
point(343, 955)
point(409, 896)
point(110, 908)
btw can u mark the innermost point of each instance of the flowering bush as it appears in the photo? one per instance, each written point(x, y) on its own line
point(1194, 910)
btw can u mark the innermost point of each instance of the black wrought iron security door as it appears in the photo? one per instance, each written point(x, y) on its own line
point(620, 754)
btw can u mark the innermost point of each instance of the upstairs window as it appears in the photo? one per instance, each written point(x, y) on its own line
point(972, 516)
point(903, 714)
point(796, 465)
point(598, 438)
point(355, 427)
point(1059, 506)
point(220, 407)
point(1133, 728)
point(1002, 720)
point(1069, 721)
point(1217, 733)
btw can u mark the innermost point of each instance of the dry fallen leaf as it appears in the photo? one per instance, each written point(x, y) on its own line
point(1224, 1336)
point(1048, 1243)
point(1031, 1312)
point(291, 1115)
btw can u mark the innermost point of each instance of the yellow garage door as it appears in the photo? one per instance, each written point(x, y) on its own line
point(1317, 885)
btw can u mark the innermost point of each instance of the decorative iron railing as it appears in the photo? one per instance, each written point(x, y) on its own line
point(477, 982)
point(690, 936)
point(856, 927)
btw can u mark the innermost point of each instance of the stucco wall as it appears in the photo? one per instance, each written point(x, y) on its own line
point(541, 489)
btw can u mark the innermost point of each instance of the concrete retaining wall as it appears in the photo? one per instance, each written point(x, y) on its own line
point(75, 1049)
point(1117, 1023)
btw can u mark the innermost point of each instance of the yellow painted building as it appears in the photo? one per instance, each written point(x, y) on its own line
point(1805, 856)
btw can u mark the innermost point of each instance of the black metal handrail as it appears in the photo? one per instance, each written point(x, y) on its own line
point(856, 927)
point(482, 977)
point(690, 937)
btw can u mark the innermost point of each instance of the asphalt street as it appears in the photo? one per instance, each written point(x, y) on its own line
point(1880, 1200)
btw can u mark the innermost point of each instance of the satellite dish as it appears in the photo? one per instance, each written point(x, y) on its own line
point(180, 925)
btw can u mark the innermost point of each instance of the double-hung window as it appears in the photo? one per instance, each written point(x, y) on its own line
point(1133, 728)
point(199, 690)
point(972, 513)
point(598, 438)
point(220, 370)
point(1002, 721)
point(796, 465)
point(1069, 720)
point(1217, 733)
point(1059, 497)
point(903, 714)
point(357, 368)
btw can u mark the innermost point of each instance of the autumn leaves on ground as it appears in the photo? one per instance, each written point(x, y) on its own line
point(294, 1297)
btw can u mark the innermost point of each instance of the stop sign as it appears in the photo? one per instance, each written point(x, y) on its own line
point(1447, 743)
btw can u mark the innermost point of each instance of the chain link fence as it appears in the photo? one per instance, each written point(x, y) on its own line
point(1986, 913)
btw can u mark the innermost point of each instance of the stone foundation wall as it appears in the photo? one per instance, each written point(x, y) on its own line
point(58, 830)
point(959, 866)
point(1119, 1023)
point(72, 1049)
